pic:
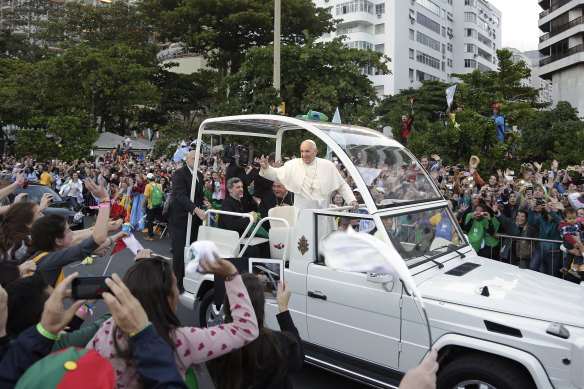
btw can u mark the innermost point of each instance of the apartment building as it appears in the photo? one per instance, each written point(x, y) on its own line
point(562, 46)
point(425, 39)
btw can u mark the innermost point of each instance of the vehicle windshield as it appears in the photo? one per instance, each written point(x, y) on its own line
point(422, 235)
point(391, 173)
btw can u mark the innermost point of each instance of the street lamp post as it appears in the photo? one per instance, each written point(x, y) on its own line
point(277, 17)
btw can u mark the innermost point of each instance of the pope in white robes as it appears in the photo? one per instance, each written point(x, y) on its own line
point(311, 179)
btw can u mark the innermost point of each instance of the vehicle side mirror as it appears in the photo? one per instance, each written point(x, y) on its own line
point(380, 278)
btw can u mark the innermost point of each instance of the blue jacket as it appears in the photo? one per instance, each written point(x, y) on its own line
point(547, 229)
point(153, 357)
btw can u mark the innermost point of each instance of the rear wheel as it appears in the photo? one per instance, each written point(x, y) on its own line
point(477, 371)
point(209, 315)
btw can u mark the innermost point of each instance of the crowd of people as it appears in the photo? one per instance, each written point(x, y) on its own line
point(140, 342)
point(499, 214)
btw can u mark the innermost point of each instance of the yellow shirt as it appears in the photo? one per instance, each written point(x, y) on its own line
point(46, 179)
point(148, 192)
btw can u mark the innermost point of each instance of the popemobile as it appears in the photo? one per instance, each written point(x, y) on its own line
point(494, 325)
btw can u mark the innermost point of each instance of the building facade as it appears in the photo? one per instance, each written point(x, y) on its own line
point(531, 59)
point(562, 46)
point(425, 39)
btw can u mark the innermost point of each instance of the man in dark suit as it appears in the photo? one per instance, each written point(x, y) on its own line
point(180, 208)
point(279, 196)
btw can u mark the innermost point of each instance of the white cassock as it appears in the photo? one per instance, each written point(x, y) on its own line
point(311, 183)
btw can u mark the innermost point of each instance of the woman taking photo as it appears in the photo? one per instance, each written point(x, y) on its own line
point(152, 281)
point(268, 361)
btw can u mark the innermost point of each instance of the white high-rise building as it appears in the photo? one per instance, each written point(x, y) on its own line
point(425, 39)
point(562, 45)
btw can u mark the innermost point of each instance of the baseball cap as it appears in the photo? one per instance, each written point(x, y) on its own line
point(150, 176)
point(70, 368)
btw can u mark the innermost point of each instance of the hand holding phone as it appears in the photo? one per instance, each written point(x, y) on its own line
point(89, 288)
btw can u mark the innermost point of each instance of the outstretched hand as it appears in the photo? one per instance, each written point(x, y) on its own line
point(263, 162)
point(354, 204)
point(55, 317)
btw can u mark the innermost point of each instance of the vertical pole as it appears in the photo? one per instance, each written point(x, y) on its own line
point(277, 18)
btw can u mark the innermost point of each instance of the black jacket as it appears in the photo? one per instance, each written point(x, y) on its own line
point(180, 197)
point(270, 201)
point(292, 352)
point(234, 223)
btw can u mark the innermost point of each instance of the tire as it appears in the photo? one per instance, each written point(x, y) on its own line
point(474, 370)
point(208, 314)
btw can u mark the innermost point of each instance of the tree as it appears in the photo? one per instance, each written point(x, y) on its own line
point(224, 30)
point(317, 75)
point(555, 134)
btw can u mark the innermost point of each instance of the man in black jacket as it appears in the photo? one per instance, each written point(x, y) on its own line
point(233, 203)
point(180, 208)
point(279, 196)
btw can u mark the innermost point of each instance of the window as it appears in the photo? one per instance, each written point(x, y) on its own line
point(472, 3)
point(411, 72)
point(354, 6)
point(412, 53)
point(348, 30)
point(470, 17)
point(428, 23)
point(380, 48)
point(443, 31)
point(427, 41)
point(443, 66)
point(449, 62)
point(379, 29)
point(430, 6)
point(361, 45)
point(379, 90)
point(379, 9)
point(443, 13)
point(428, 60)
point(470, 32)
point(483, 24)
point(470, 48)
point(443, 48)
point(449, 47)
point(411, 34)
point(470, 63)
point(421, 76)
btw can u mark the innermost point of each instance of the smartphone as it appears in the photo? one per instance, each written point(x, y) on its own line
point(529, 191)
point(89, 288)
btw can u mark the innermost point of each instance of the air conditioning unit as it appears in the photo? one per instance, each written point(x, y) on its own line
point(378, 16)
point(475, 55)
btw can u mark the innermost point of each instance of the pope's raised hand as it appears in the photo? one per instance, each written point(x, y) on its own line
point(263, 162)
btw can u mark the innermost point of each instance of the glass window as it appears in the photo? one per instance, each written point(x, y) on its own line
point(379, 28)
point(412, 53)
point(427, 41)
point(411, 34)
point(383, 166)
point(380, 8)
point(470, 63)
point(419, 236)
point(428, 23)
point(470, 17)
point(430, 6)
point(428, 60)
point(360, 45)
point(354, 6)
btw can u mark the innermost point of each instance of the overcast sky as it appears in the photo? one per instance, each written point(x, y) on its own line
point(519, 23)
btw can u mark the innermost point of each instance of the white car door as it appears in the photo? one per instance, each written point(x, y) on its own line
point(354, 313)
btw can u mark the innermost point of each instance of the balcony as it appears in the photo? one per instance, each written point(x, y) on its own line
point(552, 9)
point(564, 54)
point(559, 30)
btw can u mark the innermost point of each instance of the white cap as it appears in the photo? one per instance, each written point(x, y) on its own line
point(150, 176)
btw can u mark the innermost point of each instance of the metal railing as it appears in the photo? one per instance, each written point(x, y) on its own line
point(553, 8)
point(561, 29)
point(567, 53)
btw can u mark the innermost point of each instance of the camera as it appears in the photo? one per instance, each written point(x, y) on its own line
point(539, 202)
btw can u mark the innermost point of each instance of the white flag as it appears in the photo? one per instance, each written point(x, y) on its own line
point(450, 91)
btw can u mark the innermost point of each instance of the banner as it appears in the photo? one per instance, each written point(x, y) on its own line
point(450, 91)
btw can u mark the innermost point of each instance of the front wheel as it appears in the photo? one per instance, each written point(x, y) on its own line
point(477, 371)
point(209, 315)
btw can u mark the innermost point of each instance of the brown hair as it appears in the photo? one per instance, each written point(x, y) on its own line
point(15, 230)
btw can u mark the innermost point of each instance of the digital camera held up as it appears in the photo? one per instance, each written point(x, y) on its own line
point(241, 155)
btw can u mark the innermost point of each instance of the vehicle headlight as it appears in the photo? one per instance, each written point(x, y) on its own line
point(78, 217)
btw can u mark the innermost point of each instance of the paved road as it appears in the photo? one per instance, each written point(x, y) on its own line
point(309, 377)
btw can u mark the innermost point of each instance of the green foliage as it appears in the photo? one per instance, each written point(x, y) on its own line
point(319, 76)
point(223, 30)
point(555, 134)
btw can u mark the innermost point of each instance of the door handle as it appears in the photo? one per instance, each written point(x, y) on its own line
point(316, 295)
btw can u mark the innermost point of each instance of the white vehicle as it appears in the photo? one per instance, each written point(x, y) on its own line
point(494, 325)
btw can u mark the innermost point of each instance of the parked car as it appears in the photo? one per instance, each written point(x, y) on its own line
point(58, 205)
point(494, 325)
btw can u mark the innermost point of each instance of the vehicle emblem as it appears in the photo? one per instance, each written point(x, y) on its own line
point(303, 245)
point(279, 246)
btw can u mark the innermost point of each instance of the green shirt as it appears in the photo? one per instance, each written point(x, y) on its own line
point(489, 240)
point(477, 231)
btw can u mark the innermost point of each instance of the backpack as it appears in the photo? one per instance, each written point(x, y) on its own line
point(157, 197)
